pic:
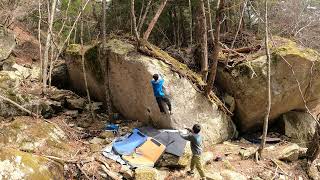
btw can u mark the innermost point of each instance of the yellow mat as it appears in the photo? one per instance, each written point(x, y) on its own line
point(147, 154)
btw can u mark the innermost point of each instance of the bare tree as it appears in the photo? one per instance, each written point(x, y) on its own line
point(266, 120)
point(213, 71)
point(154, 20)
point(48, 44)
point(210, 21)
point(103, 24)
point(204, 42)
point(39, 39)
point(239, 26)
point(141, 21)
point(84, 64)
point(106, 63)
point(134, 20)
point(190, 11)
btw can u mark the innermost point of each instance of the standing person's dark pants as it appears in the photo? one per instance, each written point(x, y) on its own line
point(164, 99)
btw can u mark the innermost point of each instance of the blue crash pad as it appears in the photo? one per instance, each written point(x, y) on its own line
point(128, 145)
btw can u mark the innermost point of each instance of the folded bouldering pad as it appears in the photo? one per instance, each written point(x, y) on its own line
point(174, 143)
point(128, 145)
point(147, 154)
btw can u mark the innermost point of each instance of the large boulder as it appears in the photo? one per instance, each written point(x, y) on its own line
point(16, 165)
point(247, 82)
point(7, 43)
point(131, 91)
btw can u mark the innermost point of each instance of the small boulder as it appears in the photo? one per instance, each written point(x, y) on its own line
point(170, 160)
point(214, 176)
point(35, 73)
point(7, 43)
point(76, 104)
point(72, 113)
point(247, 153)
point(290, 153)
point(146, 173)
point(206, 157)
point(232, 175)
point(126, 172)
point(21, 71)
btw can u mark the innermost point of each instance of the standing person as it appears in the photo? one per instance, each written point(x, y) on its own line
point(157, 85)
point(196, 147)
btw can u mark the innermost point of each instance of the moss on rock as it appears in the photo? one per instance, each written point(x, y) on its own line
point(34, 135)
point(16, 165)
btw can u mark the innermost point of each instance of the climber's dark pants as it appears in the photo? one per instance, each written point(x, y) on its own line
point(163, 99)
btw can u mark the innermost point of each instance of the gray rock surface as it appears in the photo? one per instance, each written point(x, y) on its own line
point(7, 43)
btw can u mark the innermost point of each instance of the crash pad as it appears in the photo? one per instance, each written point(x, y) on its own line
point(128, 145)
point(147, 154)
point(174, 143)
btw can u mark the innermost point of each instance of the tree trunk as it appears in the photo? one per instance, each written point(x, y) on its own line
point(204, 42)
point(266, 120)
point(213, 71)
point(154, 20)
point(48, 44)
point(134, 20)
point(39, 39)
point(84, 64)
point(141, 22)
point(106, 64)
point(190, 11)
point(210, 21)
point(103, 24)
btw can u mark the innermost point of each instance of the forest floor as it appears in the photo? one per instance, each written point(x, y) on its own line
point(226, 155)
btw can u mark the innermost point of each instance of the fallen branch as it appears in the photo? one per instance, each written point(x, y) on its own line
point(85, 174)
point(18, 106)
point(62, 161)
point(245, 50)
point(228, 50)
point(274, 161)
point(106, 168)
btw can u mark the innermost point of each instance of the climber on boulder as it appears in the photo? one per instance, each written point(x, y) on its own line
point(157, 85)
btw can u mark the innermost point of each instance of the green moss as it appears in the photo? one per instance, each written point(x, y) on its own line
point(93, 64)
point(288, 47)
point(31, 166)
point(74, 49)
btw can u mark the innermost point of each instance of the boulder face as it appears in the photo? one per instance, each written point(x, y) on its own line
point(94, 71)
point(130, 77)
point(299, 126)
point(247, 83)
point(7, 43)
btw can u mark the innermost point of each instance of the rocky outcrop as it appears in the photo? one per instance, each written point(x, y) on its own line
point(16, 165)
point(30, 135)
point(132, 95)
point(7, 43)
point(246, 82)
